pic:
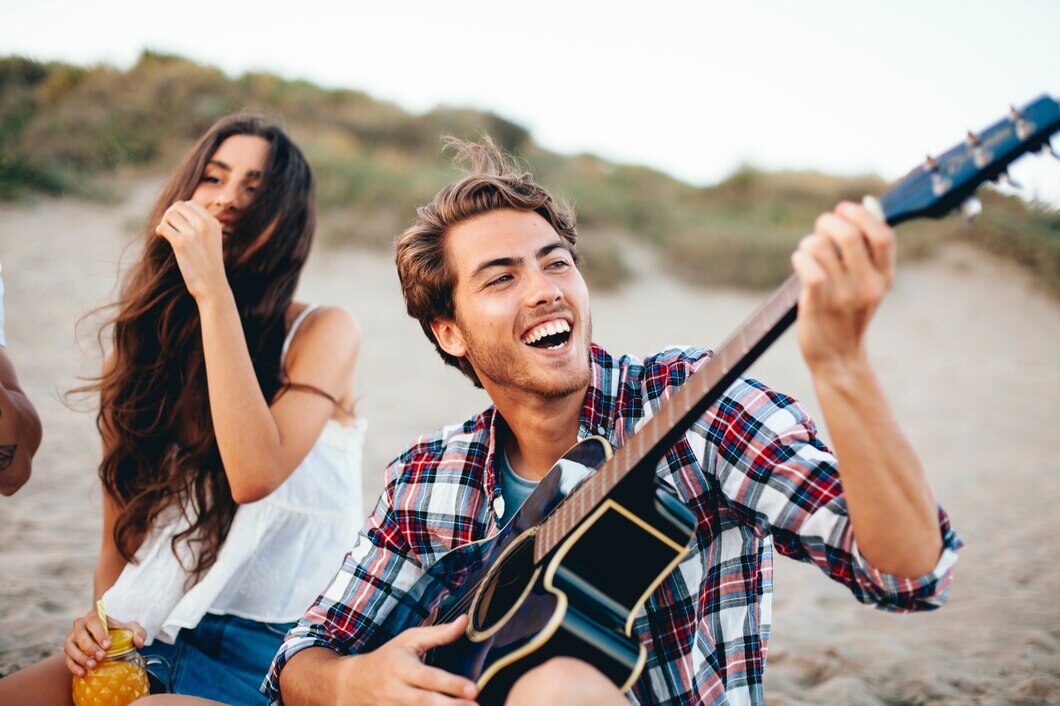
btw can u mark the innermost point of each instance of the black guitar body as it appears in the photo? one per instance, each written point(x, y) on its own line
point(578, 601)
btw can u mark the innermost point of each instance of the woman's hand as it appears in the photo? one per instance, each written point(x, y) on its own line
point(196, 238)
point(87, 642)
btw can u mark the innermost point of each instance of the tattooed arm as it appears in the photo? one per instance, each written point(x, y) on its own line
point(20, 430)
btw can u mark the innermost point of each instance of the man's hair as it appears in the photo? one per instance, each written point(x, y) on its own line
point(493, 181)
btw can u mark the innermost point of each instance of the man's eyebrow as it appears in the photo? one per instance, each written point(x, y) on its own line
point(218, 163)
point(511, 261)
point(559, 244)
point(496, 262)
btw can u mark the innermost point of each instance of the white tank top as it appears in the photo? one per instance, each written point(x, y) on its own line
point(280, 553)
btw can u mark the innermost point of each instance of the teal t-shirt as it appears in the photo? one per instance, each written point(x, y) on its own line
point(514, 488)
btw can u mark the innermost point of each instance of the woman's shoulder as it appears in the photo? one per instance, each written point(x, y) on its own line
point(323, 327)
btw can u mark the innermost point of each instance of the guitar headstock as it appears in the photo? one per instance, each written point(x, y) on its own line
point(943, 183)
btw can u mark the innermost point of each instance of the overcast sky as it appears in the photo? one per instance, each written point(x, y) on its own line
point(692, 87)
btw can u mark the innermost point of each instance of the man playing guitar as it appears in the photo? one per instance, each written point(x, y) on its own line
point(490, 269)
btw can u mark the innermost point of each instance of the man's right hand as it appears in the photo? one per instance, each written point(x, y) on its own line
point(394, 674)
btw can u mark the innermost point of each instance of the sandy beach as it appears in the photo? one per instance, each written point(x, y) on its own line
point(966, 346)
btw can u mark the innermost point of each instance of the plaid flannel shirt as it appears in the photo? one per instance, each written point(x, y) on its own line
point(751, 469)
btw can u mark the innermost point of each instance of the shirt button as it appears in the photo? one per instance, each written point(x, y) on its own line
point(498, 505)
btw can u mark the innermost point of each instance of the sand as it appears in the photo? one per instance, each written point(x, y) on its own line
point(967, 348)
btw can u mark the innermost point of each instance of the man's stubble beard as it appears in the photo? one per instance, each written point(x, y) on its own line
point(490, 363)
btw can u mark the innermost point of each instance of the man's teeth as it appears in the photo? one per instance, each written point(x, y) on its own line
point(550, 328)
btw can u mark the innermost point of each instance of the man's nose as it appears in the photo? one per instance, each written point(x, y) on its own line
point(543, 290)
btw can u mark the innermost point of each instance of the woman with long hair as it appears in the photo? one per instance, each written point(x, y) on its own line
point(231, 457)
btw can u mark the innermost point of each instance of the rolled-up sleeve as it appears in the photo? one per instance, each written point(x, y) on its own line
point(781, 479)
point(349, 616)
point(903, 594)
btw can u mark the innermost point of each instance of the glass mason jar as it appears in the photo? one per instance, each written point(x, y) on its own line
point(121, 676)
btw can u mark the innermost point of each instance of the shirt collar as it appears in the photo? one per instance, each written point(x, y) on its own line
point(596, 417)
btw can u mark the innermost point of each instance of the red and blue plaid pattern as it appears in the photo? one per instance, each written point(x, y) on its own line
point(753, 471)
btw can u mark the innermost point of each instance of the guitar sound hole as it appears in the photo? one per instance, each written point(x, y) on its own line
point(505, 585)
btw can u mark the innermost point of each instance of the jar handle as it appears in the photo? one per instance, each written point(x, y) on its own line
point(167, 683)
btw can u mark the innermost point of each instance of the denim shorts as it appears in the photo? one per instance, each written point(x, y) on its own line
point(223, 658)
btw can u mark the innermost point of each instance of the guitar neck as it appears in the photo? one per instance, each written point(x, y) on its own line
point(687, 404)
point(929, 191)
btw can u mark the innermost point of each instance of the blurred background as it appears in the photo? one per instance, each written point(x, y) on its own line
point(697, 143)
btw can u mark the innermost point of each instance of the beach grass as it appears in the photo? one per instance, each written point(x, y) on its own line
point(63, 126)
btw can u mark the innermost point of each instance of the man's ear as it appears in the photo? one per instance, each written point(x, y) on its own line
point(449, 337)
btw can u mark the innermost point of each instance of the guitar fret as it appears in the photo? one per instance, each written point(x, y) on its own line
point(581, 502)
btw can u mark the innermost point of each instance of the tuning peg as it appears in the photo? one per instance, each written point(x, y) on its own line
point(939, 183)
point(980, 156)
point(1023, 127)
point(1004, 178)
point(971, 208)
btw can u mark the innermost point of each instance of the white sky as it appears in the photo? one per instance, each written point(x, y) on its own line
point(693, 88)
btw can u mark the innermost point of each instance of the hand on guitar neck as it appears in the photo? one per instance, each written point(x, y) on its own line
point(846, 267)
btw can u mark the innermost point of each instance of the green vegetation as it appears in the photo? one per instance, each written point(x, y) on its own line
point(62, 126)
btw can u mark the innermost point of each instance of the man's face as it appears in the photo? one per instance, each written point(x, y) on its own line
point(522, 310)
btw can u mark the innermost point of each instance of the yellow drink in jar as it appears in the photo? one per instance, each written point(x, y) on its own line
point(120, 678)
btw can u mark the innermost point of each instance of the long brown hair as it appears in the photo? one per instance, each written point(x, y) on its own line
point(154, 407)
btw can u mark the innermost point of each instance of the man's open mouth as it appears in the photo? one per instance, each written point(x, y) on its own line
point(551, 334)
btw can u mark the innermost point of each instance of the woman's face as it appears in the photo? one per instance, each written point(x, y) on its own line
point(231, 179)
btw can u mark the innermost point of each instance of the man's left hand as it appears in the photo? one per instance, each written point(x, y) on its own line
point(846, 266)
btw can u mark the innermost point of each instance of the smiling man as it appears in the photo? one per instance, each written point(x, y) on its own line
point(490, 270)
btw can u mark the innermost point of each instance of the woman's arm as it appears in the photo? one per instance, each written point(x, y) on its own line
point(261, 446)
point(88, 639)
point(111, 562)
